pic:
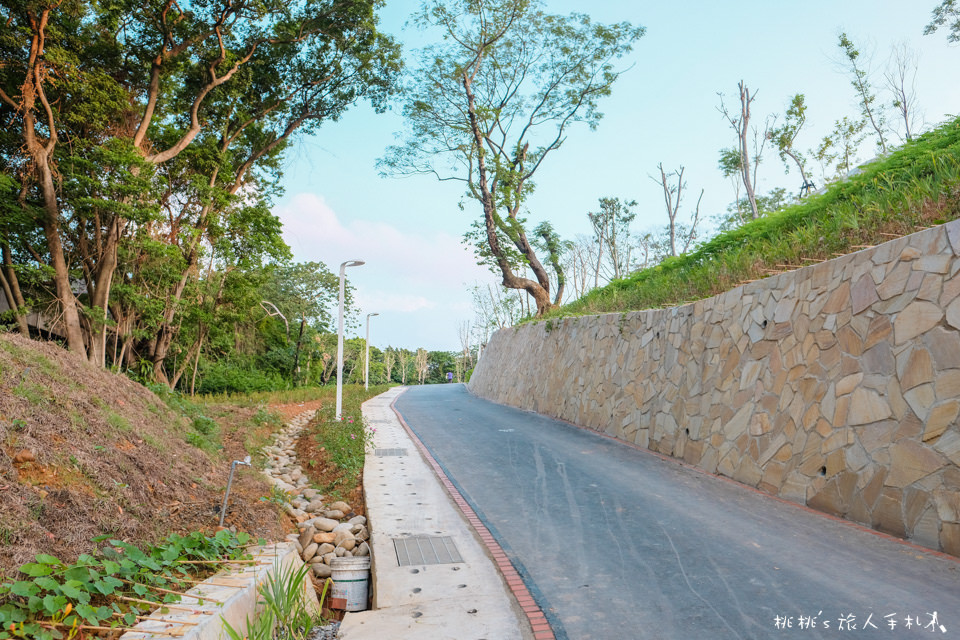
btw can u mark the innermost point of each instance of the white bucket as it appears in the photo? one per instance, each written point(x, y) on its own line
point(350, 579)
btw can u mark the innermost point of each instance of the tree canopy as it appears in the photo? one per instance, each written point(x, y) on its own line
point(492, 100)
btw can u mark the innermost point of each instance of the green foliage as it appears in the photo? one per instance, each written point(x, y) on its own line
point(890, 193)
point(947, 13)
point(204, 431)
point(285, 614)
point(345, 440)
point(469, 120)
point(87, 592)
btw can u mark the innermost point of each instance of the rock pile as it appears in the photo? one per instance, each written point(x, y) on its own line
point(327, 531)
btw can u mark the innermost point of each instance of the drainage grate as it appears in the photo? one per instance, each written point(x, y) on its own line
point(426, 550)
point(390, 452)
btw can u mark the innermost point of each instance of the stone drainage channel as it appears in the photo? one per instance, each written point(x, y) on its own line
point(327, 531)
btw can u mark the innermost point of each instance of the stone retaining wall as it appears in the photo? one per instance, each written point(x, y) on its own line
point(835, 386)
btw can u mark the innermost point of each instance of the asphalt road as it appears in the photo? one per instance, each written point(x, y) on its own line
point(617, 543)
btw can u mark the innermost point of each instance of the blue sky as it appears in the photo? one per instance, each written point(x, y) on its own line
point(663, 109)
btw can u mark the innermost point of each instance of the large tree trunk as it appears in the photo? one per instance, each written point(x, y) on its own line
point(540, 291)
point(11, 290)
point(99, 290)
point(40, 153)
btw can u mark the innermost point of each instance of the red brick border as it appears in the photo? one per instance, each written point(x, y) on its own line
point(538, 621)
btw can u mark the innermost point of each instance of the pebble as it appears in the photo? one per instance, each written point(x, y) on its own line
point(326, 632)
point(323, 533)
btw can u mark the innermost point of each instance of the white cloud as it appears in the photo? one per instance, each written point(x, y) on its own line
point(417, 278)
point(427, 260)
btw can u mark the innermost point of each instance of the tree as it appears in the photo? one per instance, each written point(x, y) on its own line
point(861, 83)
point(945, 13)
point(494, 309)
point(493, 100)
point(839, 147)
point(611, 229)
point(672, 196)
point(744, 160)
point(580, 261)
point(420, 363)
point(389, 358)
point(161, 124)
point(784, 138)
point(306, 291)
point(901, 77)
point(403, 360)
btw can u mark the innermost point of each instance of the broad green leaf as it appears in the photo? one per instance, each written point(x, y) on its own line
point(24, 589)
point(47, 583)
point(74, 589)
point(34, 570)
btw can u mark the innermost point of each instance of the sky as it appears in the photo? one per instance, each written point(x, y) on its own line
point(418, 273)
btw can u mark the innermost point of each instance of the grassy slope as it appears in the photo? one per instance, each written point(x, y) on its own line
point(112, 457)
point(914, 187)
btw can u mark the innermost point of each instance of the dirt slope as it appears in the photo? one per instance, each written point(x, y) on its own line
point(85, 452)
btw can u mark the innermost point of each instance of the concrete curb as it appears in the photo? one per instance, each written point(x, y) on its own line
point(468, 600)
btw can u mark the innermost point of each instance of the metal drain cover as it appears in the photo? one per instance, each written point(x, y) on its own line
point(390, 452)
point(416, 550)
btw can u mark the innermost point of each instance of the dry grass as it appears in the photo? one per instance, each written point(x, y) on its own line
point(109, 457)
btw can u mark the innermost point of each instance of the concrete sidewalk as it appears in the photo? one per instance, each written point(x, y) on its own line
point(432, 596)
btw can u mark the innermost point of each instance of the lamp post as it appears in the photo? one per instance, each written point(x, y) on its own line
point(343, 270)
point(366, 365)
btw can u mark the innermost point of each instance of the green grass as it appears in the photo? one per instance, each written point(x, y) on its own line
point(345, 440)
point(118, 422)
point(32, 393)
point(914, 187)
point(204, 432)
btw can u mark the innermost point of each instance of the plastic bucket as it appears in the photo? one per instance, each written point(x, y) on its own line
point(350, 579)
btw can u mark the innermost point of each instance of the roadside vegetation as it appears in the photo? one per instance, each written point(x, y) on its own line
point(111, 588)
point(916, 186)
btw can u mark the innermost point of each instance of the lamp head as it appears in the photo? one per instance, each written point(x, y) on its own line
point(353, 263)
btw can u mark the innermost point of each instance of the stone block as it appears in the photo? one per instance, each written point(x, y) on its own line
point(944, 346)
point(888, 513)
point(933, 263)
point(878, 360)
point(911, 461)
point(895, 282)
point(828, 500)
point(930, 288)
point(872, 489)
point(867, 406)
point(921, 400)
point(949, 445)
point(941, 416)
point(947, 504)
point(947, 385)
point(916, 319)
point(950, 538)
point(915, 502)
point(848, 383)
point(863, 294)
point(916, 369)
point(849, 341)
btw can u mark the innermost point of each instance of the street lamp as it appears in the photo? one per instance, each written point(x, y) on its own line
point(343, 270)
point(366, 366)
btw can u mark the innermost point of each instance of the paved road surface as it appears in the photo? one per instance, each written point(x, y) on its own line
point(617, 543)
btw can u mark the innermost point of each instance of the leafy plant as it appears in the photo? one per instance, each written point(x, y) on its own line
point(56, 599)
point(286, 614)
